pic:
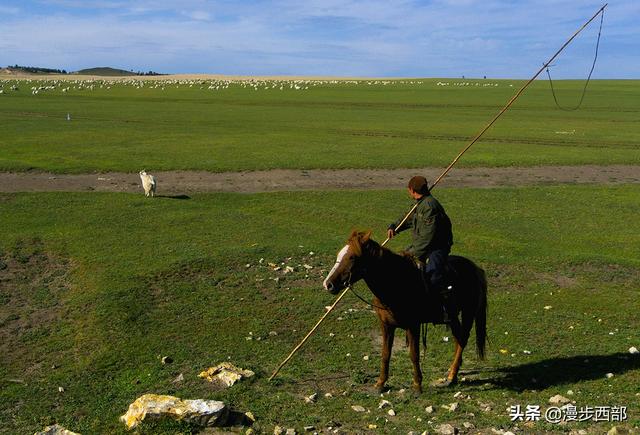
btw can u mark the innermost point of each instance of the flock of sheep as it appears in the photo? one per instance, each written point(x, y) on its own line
point(37, 86)
point(484, 85)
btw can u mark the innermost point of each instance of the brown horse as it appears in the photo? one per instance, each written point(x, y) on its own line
point(400, 299)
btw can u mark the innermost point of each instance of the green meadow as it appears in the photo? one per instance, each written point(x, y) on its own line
point(98, 287)
point(95, 288)
point(256, 125)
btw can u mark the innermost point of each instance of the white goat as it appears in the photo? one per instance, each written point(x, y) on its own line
point(148, 183)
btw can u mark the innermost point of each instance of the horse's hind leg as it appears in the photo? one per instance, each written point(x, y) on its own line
point(413, 339)
point(388, 334)
point(461, 337)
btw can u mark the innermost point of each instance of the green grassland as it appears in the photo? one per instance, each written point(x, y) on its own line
point(103, 285)
point(365, 124)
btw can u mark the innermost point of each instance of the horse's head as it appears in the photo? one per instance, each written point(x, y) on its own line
point(351, 261)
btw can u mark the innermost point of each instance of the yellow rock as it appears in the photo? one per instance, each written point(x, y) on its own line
point(225, 373)
point(201, 412)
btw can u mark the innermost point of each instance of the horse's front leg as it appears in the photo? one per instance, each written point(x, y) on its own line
point(413, 340)
point(388, 334)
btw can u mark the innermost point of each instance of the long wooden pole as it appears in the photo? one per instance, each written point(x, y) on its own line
point(437, 180)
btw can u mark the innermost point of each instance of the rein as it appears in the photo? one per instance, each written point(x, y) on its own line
point(366, 301)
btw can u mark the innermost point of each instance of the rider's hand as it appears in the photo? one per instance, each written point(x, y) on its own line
point(390, 233)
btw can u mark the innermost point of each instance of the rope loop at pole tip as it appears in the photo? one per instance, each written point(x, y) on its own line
point(593, 65)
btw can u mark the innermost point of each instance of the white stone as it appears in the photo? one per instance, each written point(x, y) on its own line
point(558, 400)
point(391, 412)
point(178, 379)
point(428, 409)
point(56, 429)
point(200, 412)
point(451, 407)
point(225, 374)
point(358, 408)
point(633, 350)
point(609, 375)
point(312, 398)
point(384, 404)
point(446, 429)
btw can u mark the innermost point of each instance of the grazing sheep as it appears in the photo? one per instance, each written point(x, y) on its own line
point(148, 183)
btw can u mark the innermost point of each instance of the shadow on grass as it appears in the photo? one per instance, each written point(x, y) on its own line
point(557, 371)
point(174, 196)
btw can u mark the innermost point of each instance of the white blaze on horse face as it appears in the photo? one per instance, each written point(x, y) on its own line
point(343, 252)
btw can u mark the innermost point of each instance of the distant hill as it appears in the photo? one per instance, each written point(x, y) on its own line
point(113, 72)
point(104, 71)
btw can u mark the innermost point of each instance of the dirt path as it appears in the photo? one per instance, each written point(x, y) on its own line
point(184, 182)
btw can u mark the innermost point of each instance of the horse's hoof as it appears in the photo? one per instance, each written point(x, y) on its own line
point(444, 383)
point(380, 388)
point(417, 391)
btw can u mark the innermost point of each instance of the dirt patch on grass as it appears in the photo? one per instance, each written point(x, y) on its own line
point(31, 284)
point(178, 184)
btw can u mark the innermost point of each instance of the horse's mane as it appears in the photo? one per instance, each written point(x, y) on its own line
point(359, 239)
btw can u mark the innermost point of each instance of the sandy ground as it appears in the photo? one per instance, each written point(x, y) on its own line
point(185, 182)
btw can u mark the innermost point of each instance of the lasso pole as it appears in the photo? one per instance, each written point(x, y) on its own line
point(437, 180)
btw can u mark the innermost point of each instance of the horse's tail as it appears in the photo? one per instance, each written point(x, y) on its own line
point(481, 314)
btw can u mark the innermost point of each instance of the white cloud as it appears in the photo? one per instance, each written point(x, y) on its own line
point(9, 10)
point(197, 15)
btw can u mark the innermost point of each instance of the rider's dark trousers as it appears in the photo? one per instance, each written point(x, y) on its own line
point(436, 268)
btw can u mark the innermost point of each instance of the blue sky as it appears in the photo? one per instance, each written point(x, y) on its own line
point(373, 38)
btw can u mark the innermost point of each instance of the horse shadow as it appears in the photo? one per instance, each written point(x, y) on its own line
point(556, 371)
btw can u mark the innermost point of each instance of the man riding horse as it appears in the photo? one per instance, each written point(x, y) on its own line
point(431, 244)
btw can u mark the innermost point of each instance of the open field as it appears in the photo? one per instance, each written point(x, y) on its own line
point(77, 295)
point(224, 125)
point(96, 287)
